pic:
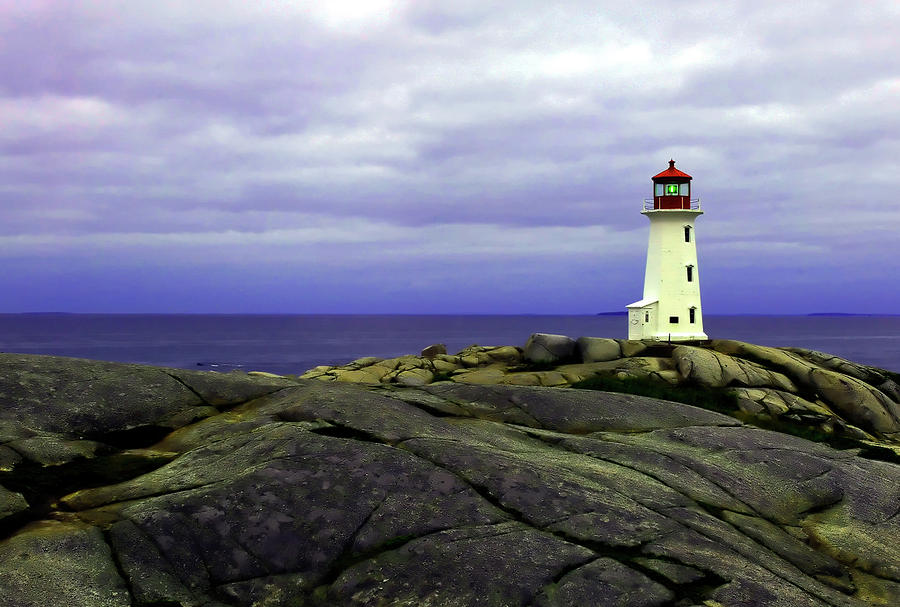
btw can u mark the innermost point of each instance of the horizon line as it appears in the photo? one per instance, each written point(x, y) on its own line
point(582, 314)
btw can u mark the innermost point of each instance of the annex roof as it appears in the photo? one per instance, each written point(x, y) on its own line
point(672, 172)
point(643, 303)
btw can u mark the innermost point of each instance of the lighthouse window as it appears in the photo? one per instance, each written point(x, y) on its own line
point(690, 273)
point(659, 189)
point(684, 189)
point(687, 233)
point(673, 320)
point(671, 189)
point(692, 313)
point(646, 316)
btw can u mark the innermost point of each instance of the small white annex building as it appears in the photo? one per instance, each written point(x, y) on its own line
point(670, 309)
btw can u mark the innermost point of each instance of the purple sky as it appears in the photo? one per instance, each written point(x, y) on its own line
point(443, 157)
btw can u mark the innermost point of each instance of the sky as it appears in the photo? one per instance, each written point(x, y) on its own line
point(425, 157)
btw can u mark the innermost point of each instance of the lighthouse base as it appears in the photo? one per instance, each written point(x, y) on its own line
point(646, 322)
point(673, 337)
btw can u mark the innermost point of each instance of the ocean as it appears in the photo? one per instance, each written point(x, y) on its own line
point(290, 344)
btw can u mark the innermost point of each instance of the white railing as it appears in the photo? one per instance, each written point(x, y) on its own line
point(647, 205)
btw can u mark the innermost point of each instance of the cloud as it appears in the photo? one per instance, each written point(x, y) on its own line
point(522, 132)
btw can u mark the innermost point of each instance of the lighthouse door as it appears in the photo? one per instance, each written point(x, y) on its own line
point(649, 322)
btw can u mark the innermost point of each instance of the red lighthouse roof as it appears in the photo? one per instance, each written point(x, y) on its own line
point(672, 172)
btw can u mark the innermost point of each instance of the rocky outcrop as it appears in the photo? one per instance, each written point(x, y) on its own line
point(316, 493)
point(774, 387)
point(78, 418)
point(711, 369)
point(861, 403)
point(441, 366)
point(74, 399)
point(766, 403)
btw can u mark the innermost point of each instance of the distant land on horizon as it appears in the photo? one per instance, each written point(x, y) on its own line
point(847, 314)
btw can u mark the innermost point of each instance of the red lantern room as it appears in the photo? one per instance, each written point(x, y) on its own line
point(672, 189)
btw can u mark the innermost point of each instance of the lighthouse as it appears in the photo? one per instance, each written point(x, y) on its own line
point(670, 308)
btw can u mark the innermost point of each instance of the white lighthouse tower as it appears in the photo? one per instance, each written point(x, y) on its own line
point(670, 309)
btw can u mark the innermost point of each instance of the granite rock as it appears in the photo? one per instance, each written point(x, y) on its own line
point(433, 350)
point(445, 494)
point(549, 348)
point(598, 349)
point(52, 563)
point(713, 369)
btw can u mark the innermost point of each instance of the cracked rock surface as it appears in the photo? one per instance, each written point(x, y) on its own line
point(265, 491)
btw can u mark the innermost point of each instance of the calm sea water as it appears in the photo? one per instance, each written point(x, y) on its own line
point(292, 344)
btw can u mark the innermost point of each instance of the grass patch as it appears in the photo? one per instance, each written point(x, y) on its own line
point(890, 375)
point(442, 376)
point(528, 365)
point(836, 440)
point(714, 399)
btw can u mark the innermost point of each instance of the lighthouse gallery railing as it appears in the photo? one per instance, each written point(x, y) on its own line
point(648, 205)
